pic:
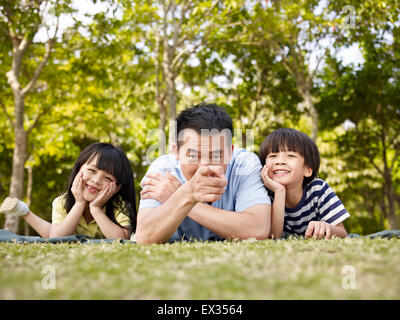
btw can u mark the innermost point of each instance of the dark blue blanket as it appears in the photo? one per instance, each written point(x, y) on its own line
point(8, 236)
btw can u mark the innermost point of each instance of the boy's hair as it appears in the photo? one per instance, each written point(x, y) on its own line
point(114, 161)
point(286, 139)
point(204, 116)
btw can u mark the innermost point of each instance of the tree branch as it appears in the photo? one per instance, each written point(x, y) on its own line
point(35, 123)
point(39, 69)
point(6, 32)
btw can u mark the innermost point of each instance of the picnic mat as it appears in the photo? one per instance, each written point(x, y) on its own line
point(8, 236)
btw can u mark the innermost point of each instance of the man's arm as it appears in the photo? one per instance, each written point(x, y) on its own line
point(254, 222)
point(157, 225)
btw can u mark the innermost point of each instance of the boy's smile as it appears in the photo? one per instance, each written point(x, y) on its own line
point(280, 172)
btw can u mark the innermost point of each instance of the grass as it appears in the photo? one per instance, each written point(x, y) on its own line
point(289, 269)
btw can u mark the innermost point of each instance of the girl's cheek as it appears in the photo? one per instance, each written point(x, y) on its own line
point(85, 176)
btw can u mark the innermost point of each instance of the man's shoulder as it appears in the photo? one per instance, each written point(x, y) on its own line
point(242, 155)
point(244, 162)
point(164, 161)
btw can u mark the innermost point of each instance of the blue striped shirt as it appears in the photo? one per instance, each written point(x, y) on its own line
point(319, 203)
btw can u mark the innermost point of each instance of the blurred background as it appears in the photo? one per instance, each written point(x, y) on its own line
point(76, 72)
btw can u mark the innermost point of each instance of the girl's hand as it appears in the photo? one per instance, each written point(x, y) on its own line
point(319, 230)
point(77, 188)
point(158, 187)
point(105, 195)
point(269, 183)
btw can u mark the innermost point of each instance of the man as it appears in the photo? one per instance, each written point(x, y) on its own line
point(206, 190)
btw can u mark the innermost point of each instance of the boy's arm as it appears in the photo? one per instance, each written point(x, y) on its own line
point(339, 230)
point(322, 229)
point(331, 215)
point(278, 214)
point(278, 205)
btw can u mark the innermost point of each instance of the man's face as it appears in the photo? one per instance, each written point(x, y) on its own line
point(203, 149)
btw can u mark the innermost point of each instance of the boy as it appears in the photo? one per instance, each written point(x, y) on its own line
point(302, 204)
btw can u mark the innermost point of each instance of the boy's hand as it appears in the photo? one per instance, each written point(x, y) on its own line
point(319, 230)
point(158, 187)
point(269, 183)
point(105, 195)
point(78, 187)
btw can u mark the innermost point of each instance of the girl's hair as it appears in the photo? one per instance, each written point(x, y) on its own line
point(114, 161)
point(286, 139)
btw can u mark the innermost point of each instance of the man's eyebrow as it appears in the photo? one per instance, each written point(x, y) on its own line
point(192, 150)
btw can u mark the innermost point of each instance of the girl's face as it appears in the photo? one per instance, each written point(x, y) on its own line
point(287, 167)
point(95, 180)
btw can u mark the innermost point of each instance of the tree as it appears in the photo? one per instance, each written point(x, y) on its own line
point(21, 21)
point(369, 97)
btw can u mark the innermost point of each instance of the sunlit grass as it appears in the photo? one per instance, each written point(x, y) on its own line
point(288, 269)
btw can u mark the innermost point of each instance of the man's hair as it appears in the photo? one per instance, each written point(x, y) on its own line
point(286, 139)
point(204, 116)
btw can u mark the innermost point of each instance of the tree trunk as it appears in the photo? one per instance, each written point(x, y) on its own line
point(313, 113)
point(17, 177)
point(159, 97)
point(28, 196)
point(21, 43)
point(170, 89)
point(170, 81)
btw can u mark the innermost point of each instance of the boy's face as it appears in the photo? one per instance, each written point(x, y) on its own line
point(287, 168)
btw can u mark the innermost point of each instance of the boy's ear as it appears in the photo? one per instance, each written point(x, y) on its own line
point(308, 172)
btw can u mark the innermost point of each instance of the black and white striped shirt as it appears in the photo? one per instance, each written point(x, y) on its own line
point(319, 203)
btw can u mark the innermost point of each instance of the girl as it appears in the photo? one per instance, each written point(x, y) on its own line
point(302, 204)
point(99, 201)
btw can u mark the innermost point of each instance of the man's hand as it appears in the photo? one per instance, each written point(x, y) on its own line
point(319, 230)
point(158, 187)
point(208, 184)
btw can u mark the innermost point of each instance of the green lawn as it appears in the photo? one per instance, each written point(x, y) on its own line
point(288, 269)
